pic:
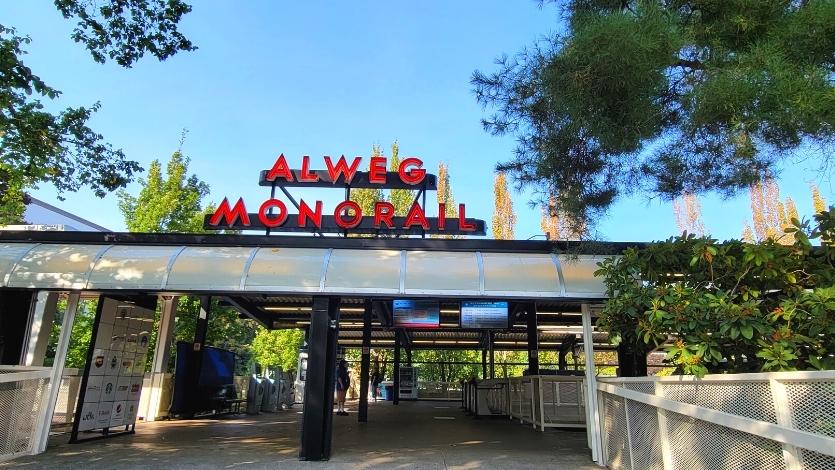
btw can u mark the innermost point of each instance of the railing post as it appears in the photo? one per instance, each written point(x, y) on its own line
point(663, 431)
point(628, 434)
point(541, 405)
point(791, 456)
point(593, 422)
point(51, 396)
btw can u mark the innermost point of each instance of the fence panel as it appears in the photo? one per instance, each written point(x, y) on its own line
point(751, 421)
point(22, 393)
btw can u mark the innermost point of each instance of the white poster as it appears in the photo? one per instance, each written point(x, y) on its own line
point(130, 411)
point(103, 415)
point(97, 366)
point(122, 388)
point(93, 391)
point(108, 388)
point(135, 388)
point(89, 416)
point(117, 414)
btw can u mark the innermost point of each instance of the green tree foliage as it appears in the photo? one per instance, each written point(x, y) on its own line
point(667, 97)
point(166, 204)
point(402, 199)
point(732, 306)
point(38, 146)
point(272, 348)
point(443, 365)
point(366, 197)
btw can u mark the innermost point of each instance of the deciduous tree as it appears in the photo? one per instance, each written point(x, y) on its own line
point(504, 218)
point(688, 213)
point(38, 146)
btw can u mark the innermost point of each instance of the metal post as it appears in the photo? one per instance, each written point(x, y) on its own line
point(40, 322)
point(593, 420)
point(533, 342)
point(196, 363)
point(492, 354)
point(483, 363)
point(162, 352)
point(791, 456)
point(396, 398)
point(365, 362)
point(317, 418)
point(663, 431)
point(51, 397)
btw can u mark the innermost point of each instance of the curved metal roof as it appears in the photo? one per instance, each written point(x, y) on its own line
point(292, 270)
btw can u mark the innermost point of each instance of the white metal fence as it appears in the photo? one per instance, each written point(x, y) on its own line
point(435, 390)
point(23, 393)
point(544, 401)
point(751, 421)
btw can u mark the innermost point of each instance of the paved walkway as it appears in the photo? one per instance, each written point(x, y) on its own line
point(412, 435)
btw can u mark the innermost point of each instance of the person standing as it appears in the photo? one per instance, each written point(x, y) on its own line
point(343, 381)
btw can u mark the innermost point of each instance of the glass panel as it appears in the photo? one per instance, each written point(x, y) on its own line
point(286, 267)
point(209, 268)
point(58, 265)
point(578, 274)
point(131, 267)
point(364, 269)
point(441, 271)
point(522, 272)
point(9, 254)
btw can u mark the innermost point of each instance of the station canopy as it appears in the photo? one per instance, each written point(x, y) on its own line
point(272, 279)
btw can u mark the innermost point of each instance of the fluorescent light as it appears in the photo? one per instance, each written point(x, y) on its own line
point(351, 309)
point(449, 311)
point(454, 325)
point(288, 309)
point(564, 314)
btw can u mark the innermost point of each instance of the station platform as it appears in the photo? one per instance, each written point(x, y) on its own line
point(411, 435)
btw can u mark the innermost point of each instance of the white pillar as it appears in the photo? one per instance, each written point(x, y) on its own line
point(162, 352)
point(41, 317)
point(592, 413)
point(51, 397)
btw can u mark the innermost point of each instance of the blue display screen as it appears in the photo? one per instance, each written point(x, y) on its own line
point(484, 314)
point(417, 313)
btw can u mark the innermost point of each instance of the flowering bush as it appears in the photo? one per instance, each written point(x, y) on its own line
point(733, 306)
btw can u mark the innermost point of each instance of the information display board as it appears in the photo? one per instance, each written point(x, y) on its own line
point(417, 313)
point(479, 314)
point(113, 378)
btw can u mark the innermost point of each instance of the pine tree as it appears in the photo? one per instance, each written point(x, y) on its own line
point(504, 218)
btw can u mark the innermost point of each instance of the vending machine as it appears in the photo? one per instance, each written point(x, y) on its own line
point(408, 383)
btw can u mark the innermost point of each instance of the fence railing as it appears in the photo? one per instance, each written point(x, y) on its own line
point(768, 420)
point(23, 394)
point(434, 390)
point(544, 401)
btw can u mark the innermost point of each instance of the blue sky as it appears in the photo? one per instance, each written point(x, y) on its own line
point(307, 78)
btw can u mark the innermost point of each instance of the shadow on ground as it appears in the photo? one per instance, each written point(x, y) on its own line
point(412, 435)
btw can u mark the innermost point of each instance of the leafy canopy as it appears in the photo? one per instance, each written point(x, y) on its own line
point(60, 149)
point(666, 97)
point(733, 306)
point(166, 204)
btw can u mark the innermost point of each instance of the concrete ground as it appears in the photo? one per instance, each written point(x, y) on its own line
point(412, 435)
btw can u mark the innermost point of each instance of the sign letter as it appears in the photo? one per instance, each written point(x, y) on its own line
point(352, 221)
point(272, 220)
point(463, 225)
point(306, 213)
point(306, 175)
point(414, 176)
point(230, 215)
point(383, 212)
point(416, 216)
point(377, 170)
point(281, 169)
point(342, 168)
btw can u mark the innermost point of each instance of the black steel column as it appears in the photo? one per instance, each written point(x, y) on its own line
point(317, 418)
point(492, 355)
point(365, 362)
point(396, 398)
point(533, 342)
point(483, 363)
point(201, 329)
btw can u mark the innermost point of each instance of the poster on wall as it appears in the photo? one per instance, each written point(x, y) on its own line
point(112, 382)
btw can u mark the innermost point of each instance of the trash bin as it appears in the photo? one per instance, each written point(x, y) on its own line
point(388, 392)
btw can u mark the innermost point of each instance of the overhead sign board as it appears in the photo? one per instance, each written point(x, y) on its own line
point(273, 213)
point(484, 314)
